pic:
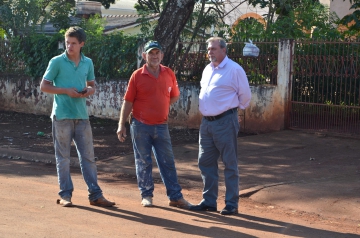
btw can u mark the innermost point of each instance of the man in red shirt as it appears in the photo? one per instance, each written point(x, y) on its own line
point(150, 92)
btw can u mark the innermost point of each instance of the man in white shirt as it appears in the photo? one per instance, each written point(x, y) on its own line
point(224, 89)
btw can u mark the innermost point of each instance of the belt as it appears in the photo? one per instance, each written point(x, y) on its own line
point(228, 112)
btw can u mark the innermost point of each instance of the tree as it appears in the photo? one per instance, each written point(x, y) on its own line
point(106, 3)
point(188, 19)
point(293, 18)
point(303, 19)
point(59, 13)
point(175, 16)
point(278, 9)
point(154, 6)
point(248, 28)
point(21, 16)
point(172, 21)
point(352, 21)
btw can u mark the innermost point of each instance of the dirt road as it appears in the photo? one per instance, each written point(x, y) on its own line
point(292, 184)
point(28, 209)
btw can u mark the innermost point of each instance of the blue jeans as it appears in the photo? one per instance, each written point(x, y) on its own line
point(219, 139)
point(79, 131)
point(156, 138)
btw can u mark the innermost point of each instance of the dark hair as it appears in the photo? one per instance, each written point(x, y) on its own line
point(77, 32)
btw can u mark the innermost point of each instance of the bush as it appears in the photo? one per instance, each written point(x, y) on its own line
point(114, 56)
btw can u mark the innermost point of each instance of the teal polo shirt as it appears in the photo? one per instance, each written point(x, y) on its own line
point(62, 72)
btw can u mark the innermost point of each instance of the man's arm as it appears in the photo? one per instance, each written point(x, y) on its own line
point(244, 91)
point(174, 99)
point(124, 114)
point(90, 88)
point(47, 87)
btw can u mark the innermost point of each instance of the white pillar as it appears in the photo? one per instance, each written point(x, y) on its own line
point(285, 68)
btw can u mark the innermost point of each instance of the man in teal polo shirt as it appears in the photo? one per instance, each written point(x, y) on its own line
point(70, 77)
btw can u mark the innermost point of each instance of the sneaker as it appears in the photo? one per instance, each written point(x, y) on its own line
point(65, 202)
point(146, 202)
point(181, 203)
point(102, 202)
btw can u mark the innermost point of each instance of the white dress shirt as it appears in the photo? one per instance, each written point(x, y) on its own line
point(223, 88)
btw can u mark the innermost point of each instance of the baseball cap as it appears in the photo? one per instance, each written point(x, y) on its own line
point(152, 45)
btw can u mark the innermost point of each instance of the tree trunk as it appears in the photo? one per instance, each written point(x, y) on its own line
point(171, 22)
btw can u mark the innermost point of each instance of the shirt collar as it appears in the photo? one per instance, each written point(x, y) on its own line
point(67, 58)
point(145, 71)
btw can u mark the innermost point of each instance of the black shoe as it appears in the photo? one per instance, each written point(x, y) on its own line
point(229, 210)
point(202, 207)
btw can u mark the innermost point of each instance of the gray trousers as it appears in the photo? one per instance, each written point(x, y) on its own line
point(219, 139)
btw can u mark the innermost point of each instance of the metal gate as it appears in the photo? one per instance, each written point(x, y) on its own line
point(325, 87)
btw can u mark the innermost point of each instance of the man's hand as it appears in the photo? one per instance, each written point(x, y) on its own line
point(124, 114)
point(121, 133)
point(73, 92)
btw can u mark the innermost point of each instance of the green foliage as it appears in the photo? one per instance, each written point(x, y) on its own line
point(352, 20)
point(146, 26)
point(150, 6)
point(204, 18)
point(2, 33)
point(277, 9)
point(248, 28)
point(106, 3)
point(59, 12)
point(94, 26)
point(203, 21)
point(309, 19)
point(145, 8)
point(35, 51)
point(310, 15)
point(114, 55)
point(21, 17)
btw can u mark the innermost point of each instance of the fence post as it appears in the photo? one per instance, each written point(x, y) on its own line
point(284, 78)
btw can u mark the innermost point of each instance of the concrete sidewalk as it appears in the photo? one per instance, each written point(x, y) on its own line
point(291, 169)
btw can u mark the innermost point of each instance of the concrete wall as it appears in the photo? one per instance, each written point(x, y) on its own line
point(267, 111)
